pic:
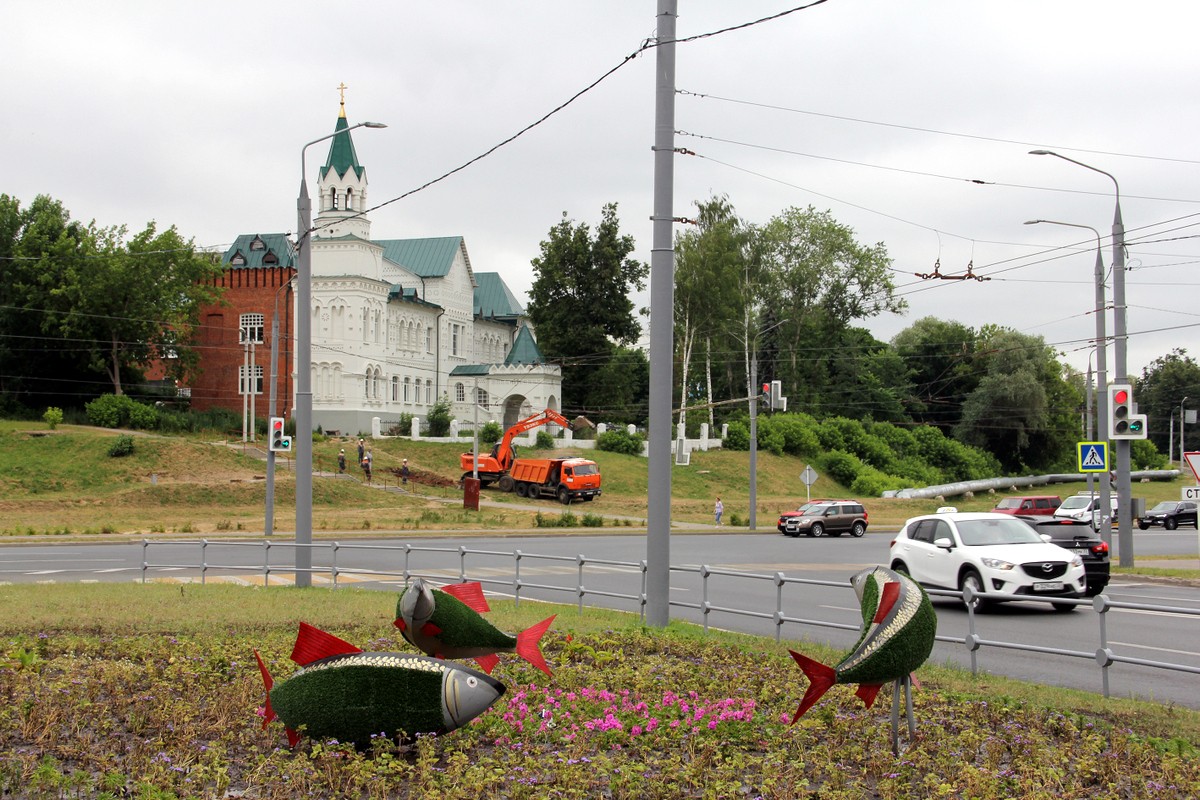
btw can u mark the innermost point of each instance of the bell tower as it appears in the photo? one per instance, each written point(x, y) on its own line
point(342, 196)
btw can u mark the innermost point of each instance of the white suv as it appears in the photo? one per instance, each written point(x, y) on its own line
point(1085, 507)
point(998, 556)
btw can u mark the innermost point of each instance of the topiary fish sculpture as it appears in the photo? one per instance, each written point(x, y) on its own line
point(446, 623)
point(899, 626)
point(342, 693)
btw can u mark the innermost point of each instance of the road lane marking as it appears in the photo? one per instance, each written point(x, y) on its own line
point(1158, 649)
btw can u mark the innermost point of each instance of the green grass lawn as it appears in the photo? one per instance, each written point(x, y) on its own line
point(151, 691)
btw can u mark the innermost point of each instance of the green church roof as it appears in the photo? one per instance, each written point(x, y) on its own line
point(341, 152)
point(256, 250)
point(524, 350)
point(494, 299)
point(428, 258)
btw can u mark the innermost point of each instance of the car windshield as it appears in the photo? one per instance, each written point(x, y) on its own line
point(1166, 505)
point(815, 511)
point(977, 532)
point(1011, 502)
point(1076, 501)
point(586, 469)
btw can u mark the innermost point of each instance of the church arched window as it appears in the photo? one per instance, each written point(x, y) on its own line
point(349, 199)
point(333, 198)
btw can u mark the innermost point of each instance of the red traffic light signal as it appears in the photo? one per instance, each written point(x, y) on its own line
point(276, 441)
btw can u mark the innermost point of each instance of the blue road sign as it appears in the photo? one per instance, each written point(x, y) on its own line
point(1093, 456)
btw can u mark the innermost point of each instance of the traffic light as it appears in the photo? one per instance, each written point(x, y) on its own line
point(1123, 420)
point(277, 442)
point(778, 401)
point(766, 396)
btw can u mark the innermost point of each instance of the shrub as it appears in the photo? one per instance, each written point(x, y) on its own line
point(121, 446)
point(53, 417)
point(737, 436)
point(543, 441)
point(843, 467)
point(108, 411)
point(439, 417)
point(142, 417)
point(799, 433)
point(491, 433)
point(1144, 455)
point(593, 521)
point(620, 441)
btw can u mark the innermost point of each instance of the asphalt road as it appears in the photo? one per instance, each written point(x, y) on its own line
point(741, 567)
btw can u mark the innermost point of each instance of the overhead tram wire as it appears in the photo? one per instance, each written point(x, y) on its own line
point(933, 130)
point(647, 44)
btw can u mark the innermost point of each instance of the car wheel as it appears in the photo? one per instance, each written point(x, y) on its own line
point(519, 489)
point(1171, 523)
point(858, 529)
point(564, 495)
point(971, 578)
point(1144, 525)
point(1063, 608)
point(817, 529)
point(901, 567)
point(506, 483)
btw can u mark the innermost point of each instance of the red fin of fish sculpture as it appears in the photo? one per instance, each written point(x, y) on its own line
point(820, 679)
point(528, 644)
point(313, 644)
point(470, 593)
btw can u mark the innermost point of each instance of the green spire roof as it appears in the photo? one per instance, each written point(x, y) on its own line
point(524, 350)
point(341, 152)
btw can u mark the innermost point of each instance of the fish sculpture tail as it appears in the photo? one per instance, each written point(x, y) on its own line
point(820, 679)
point(529, 644)
point(268, 712)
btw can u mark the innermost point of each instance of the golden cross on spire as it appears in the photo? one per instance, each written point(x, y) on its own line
point(342, 87)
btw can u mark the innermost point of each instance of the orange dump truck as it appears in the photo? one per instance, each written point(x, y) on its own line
point(565, 478)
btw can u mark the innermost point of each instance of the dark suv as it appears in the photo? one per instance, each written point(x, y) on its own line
point(1079, 538)
point(829, 518)
point(1170, 514)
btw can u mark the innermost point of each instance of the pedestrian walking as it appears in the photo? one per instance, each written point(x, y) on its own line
point(366, 465)
point(341, 462)
point(404, 475)
point(718, 510)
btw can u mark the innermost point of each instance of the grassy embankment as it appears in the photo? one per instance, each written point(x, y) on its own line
point(63, 481)
point(116, 691)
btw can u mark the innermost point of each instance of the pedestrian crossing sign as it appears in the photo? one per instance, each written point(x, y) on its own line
point(1093, 456)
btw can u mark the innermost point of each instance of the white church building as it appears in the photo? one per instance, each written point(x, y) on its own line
point(398, 324)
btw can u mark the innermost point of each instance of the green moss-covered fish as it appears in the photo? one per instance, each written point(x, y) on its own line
point(342, 693)
point(899, 626)
point(446, 623)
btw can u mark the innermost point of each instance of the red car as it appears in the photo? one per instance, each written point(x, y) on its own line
point(1032, 506)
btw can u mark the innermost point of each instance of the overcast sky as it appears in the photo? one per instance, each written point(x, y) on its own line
point(881, 111)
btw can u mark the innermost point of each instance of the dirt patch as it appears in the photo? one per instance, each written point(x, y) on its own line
point(423, 478)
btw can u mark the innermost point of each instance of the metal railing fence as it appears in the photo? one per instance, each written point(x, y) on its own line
point(1104, 655)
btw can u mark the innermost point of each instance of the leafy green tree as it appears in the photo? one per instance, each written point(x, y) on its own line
point(136, 301)
point(580, 300)
point(939, 356)
point(39, 246)
point(815, 281)
point(1023, 410)
point(1160, 393)
point(89, 305)
point(712, 266)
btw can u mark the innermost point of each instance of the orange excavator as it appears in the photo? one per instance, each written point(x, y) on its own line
point(494, 468)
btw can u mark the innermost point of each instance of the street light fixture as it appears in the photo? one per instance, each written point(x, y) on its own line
point(303, 452)
point(1101, 374)
point(1122, 446)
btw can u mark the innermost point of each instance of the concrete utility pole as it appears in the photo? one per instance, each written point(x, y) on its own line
point(662, 325)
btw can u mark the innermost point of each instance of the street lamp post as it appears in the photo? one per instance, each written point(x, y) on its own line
point(1101, 375)
point(1122, 446)
point(304, 456)
point(1182, 422)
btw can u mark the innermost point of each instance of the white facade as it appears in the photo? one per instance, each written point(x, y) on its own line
point(386, 335)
